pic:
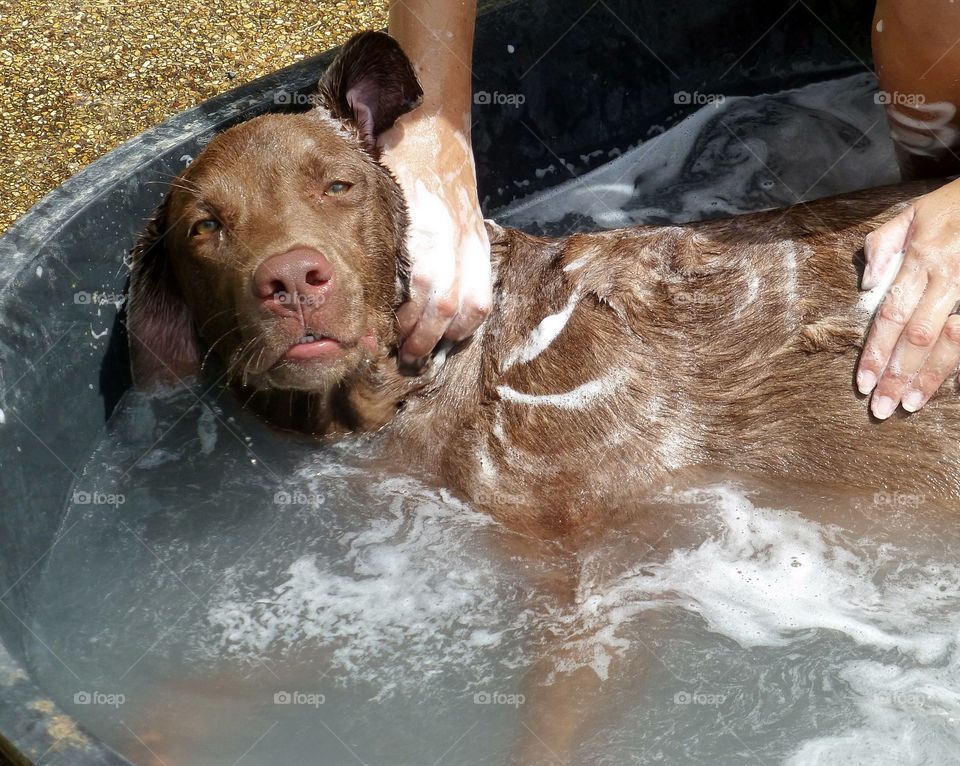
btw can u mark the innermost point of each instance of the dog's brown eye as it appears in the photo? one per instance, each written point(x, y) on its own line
point(206, 226)
point(338, 187)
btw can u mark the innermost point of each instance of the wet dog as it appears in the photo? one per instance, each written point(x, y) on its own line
point(609, 360)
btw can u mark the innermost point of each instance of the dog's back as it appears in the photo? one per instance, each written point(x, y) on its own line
point(613, 359)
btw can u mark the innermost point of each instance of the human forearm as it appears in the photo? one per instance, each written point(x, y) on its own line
point(917, 59)
point(430, 154)
point(437, 36)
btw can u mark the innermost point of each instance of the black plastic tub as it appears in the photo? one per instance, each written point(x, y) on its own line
point(592, 75)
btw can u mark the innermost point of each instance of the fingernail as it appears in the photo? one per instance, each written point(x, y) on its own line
point(912, 401)
point(882, 407)
point(866, 381)
point(869, 279)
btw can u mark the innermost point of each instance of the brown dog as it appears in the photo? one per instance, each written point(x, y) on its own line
point(609, 360)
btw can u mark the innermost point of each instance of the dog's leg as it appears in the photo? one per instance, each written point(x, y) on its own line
point(558, 707)
point(561, 693)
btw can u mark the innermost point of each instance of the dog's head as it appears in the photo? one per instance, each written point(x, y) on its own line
point(280, 249)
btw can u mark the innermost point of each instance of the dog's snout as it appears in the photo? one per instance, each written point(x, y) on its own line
point(282, 281)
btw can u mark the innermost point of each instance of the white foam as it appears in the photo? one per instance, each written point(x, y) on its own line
point(543, 172)
point(767, 577)
point(488, 470)
point(207, 430)
point(431, 234)
point(677, 445)
point(577, 263)
point(910, 717)
point(790, 287)
point(543, 335)
point(930, 135)
point(575, 399)
point(871, 299)
point(412, 595)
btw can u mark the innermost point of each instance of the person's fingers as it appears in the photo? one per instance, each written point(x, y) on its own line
point(917, 340)
point(891, 319)
point(407, 316)
point(477, 293)
point(429, 329)
point(884, 246)
point(473, 311)
point(940, 365)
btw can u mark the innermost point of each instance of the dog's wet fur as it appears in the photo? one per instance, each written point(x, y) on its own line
point(730, 343)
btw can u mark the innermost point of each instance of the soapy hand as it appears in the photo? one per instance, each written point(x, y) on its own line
point(450, 279)
point(914, 343)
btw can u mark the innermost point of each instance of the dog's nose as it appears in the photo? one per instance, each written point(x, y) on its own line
point(298, 277)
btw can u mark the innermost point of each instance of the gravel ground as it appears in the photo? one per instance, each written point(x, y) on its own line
point(78, 79)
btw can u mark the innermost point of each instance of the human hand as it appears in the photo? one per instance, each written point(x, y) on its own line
point(450, 278)
point(914, 343)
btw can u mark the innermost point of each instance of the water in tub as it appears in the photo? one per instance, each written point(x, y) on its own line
point(222, 593)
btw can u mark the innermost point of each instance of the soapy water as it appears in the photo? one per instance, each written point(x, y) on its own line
point(738, 156)
point(225, 593)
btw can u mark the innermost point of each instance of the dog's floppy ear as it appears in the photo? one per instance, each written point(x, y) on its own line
point(371, 82)
point(163, 342)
